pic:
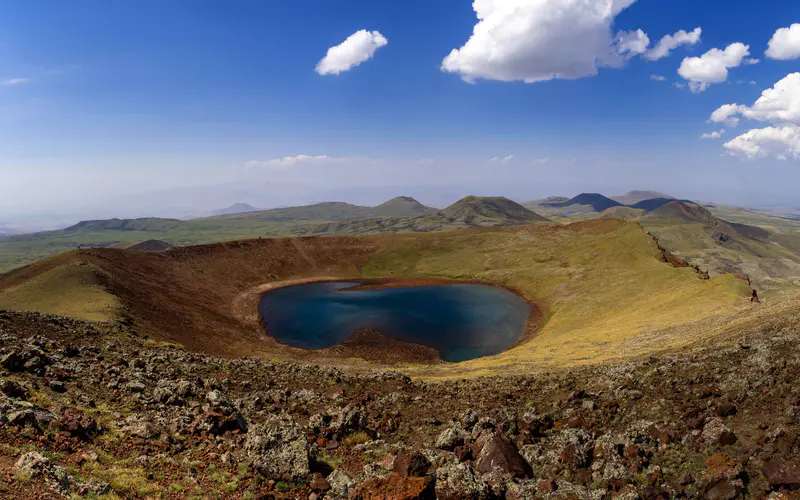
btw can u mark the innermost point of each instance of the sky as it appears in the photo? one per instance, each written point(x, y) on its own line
point(172, 108)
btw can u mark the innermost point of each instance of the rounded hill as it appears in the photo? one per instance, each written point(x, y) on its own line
point(494, 207)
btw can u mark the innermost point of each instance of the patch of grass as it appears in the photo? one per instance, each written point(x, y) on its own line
point(231, 487)
point(22, 477)
point(162, 343)
point(333, 462)
point(287, 486)
point(355, 438)
point(124, 481)
point(219, 477)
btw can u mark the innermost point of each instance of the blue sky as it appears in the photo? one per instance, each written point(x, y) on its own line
point(101, 100)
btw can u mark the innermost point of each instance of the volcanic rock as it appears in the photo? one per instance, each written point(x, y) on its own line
point(498, 453)
point(450, 438)
point(278, 448)
point(413, 464)
point(456, 482)
point(782, 473)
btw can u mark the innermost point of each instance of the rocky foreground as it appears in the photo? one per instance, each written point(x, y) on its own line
point(92, 410)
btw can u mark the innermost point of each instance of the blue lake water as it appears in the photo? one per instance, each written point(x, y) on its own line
point(461, 321)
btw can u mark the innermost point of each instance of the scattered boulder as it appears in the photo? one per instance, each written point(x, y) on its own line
point(218, 421)
point(469, 419)
point(782, 473)
point(348, 420)
point(217, 398)
point(716, 432)
point(450, 438)
point(13, 389)
point(457, 482)
point(341, 484)
point(58, 386)
point(34, 465)
point(499, 453)
point(135, 387)
point(726, 410)
point(278, 448)
point(12, 362)
point(413, 464)
point(78, 424)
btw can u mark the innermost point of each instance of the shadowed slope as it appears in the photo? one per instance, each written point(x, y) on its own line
point(150, 246)
point(635, 196)
point(598, 202)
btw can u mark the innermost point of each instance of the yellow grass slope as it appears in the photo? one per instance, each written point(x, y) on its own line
point(600, 283)
point(72, 290)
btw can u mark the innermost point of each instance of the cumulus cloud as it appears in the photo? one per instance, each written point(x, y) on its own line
point(780, 142)
point(657, 78)
point(670, 42)
point(359, 47)
point(284, 163)
point(540, 161)
point(785, 44)
point(11, 82)
point(533, 41)
point(713, 135)
point(779, 106)
point(631, 43)
point(712, 67)
point(726, 114)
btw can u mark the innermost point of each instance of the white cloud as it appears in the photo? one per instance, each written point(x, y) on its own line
point(285, 163)
point(712, 67)
point(669, 42)
point(631, 43)
point(679, 85)
point(726, 114)
point(778, 105)
point(713, 135)
point(359, 47)
point(785, 44)
point(780, 142)
point(505, 159)
point(657, 78)
point(14, 81)
point(539, 40)
point(540, 161)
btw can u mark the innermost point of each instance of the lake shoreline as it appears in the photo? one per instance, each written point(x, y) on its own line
point(378, 351)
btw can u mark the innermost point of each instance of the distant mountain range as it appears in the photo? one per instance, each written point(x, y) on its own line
point(595, 202)
point(471, 211)
point(236, 208)
point(634, 197)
